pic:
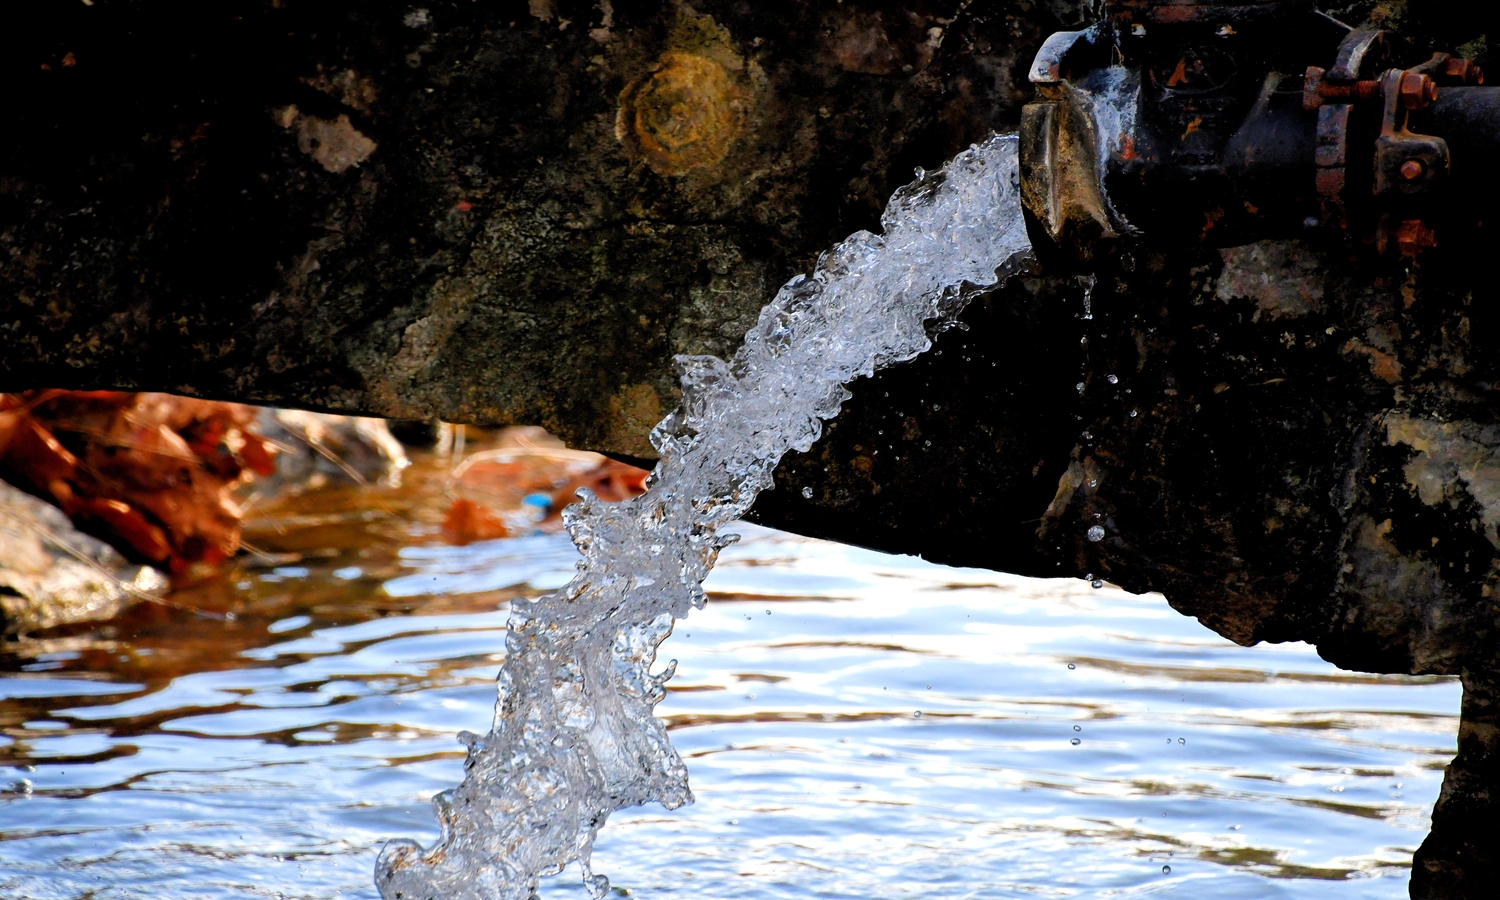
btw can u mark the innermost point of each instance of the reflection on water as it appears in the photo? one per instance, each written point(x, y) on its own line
point(856, 725)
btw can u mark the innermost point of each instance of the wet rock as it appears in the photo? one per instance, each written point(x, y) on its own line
point(318, 449)
point(52, 574)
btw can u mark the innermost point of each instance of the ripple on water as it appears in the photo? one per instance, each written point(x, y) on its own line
point(179, 756)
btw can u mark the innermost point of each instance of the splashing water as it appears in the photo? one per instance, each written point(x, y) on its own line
point(575, 737)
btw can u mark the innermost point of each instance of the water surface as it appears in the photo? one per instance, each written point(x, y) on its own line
point(856, 724)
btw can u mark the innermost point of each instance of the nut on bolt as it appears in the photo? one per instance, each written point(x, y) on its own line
point(1416, 90)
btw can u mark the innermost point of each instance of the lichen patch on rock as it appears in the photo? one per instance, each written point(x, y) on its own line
point(335, 145)
point(688, 111)
point(1453, 459)
point(1284, 278)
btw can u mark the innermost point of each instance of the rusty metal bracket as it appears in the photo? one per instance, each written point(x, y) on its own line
point(1333, 94)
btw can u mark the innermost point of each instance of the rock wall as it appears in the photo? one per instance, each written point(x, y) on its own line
point(497, 212)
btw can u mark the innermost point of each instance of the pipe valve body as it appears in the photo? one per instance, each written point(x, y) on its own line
point(1230, 122)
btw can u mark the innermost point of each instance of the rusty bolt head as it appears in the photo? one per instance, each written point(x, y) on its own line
point(1413, 169)
point(1417, 90)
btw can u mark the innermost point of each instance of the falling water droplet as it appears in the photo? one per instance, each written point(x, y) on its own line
point(1079, 385)
point(1134, 413)
point(1077, 727)
point(1076, 741)
point(1072, 666)
point(917, 714)
point(1182, 740)
point(807, 493)
point(1114, 379)
point(1096, 584)
point(1166, 870)
point(1096, 534)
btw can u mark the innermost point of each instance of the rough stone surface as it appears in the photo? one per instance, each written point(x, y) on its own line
point(52, 574)
point(497, 212)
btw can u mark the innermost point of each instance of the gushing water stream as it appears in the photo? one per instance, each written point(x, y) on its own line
point(574, 736)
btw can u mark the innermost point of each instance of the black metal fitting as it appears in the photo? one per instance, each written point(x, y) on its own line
point(1214, 122)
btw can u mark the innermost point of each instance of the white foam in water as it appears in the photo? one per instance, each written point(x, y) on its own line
point(575, 737)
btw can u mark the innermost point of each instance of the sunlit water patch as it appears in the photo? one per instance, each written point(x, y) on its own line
point(173, 755)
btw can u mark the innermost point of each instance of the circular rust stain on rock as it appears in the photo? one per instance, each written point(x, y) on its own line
point(684, 116)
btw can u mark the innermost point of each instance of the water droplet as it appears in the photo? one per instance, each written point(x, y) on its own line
point(1166, 870)
point(1088, 435)
point(1096, 584)
point(807, 493)
point(1076, 741)
point(1096, 534)
point(1134, 413)
point(1079, 385)
point(1072, 666)
point(23, 786)
point(1113, 379)
point(1182, 740)
point(1077, 727)
point(597, 885)
point(768, 612)
point(917, 714)
point(734, 821)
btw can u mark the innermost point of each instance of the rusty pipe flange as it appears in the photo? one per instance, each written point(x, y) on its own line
point(1205, 12)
